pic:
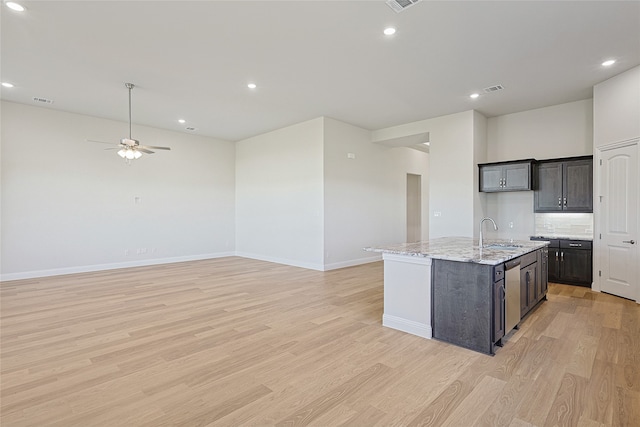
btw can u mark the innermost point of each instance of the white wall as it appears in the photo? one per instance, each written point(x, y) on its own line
point(68, 205)
point(563, 130)
point(617, 108)
point(279, 196)
point(365, 197)
point(451, 170)
point(480, 149)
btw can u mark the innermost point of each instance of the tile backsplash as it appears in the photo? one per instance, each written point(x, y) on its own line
point(564, 224)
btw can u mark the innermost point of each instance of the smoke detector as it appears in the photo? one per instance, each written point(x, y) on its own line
point(400, 5)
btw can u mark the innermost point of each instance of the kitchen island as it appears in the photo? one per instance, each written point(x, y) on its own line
point(451, 289)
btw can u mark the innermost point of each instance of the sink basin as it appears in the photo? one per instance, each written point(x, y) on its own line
point(503, 246)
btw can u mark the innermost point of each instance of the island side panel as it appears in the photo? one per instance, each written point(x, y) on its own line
point(407, 294)
point(462, 304)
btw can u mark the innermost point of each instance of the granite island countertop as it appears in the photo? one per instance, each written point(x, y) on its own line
point(463, 249)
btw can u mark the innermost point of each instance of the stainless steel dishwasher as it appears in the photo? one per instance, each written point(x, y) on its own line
point(512, 291)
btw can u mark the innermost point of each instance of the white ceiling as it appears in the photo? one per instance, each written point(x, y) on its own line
point(193, 60)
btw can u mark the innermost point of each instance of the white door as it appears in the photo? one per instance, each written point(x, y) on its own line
point(619, 222)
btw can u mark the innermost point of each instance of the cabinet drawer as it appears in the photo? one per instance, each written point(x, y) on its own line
point(575, 244)
point(528, 259)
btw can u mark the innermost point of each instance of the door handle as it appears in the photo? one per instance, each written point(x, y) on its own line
point(629, 241)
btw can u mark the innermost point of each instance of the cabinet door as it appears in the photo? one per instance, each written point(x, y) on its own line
point(578, 186)
point(548, 193)
point(532, 287)
point(543, 272)
point(491, 178)
point(517, 176)
point(498, 310)
point(527, 288)
point(554, 265)
point(576, 266)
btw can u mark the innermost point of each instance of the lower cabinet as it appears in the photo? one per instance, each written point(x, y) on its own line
point(466, 299)
point(533, 279)
point(569, 261)
point(499, 295)
point(576, 262)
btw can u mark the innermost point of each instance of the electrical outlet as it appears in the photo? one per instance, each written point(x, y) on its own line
point(511, 224)
point(126, 252)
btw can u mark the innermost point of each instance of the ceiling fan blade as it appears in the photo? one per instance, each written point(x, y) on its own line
point(144, 150)
point(113, 148)
point(99, 142)
point(155, 148)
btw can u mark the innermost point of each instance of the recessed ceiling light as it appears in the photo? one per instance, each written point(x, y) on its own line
point(15, 6)
point(474, 95)
point(389, 31)
point(252, 86)
point(608, 62)
point(7, 84)
point(182, 121)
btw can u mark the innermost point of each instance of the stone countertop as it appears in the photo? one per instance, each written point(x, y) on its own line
point(463, 249)
point(564, 236)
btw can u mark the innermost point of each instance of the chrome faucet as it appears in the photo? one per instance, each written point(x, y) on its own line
point(495, 227)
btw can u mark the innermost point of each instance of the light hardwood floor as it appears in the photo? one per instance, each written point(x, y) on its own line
point(238, 342)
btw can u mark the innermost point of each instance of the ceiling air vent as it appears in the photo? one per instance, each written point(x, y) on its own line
point(191, 129)
point(493, 88)
point(400, 5)
point(42, 100)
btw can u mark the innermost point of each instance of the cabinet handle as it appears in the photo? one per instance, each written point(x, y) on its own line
point(565, 201)
point(559, 201)
point(557, 256)
point(629, 241)
point(578, 245)
point(562, 256)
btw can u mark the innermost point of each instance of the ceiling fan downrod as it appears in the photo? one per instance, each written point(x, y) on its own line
point(130, 86)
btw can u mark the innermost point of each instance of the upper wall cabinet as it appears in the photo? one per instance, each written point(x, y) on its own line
point(506, 176)
point(564, 185)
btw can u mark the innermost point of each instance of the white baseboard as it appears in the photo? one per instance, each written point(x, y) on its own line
point(292, 263)
point(111, 266)
point(143, 263)
point(351, 263)
point(408, 326)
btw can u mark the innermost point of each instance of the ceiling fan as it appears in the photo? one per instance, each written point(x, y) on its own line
point(129, 148)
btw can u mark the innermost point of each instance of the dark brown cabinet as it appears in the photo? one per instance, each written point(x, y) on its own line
point(498, 303)
point(528, 287)
point(564, 185)
point(543, 272)
point(469, 300)
point(468, 307)
point(576, 263)
point(569, 261)
point(506, 176)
